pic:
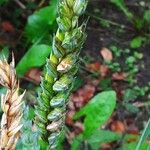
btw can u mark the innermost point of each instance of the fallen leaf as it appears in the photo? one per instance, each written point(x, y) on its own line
point(69, 118)
point(104, 70)
point(118, 126)
point(71, 105)
point(70, 136)
point(7, 26)
point(119, 76)
point(106, 147)
point(93, 66)
point(78, 127)
point(83, 95)
point(106, 54)
point(132, 129)
point(34, 75)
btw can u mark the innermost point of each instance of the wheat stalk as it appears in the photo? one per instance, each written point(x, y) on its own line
point(61, 69)
point(11, 104)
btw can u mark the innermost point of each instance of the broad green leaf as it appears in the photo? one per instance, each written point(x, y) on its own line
point(145, 134)
point(121, 5)
point(35, 57)
point(41, 22)
point(147, 15)
point(102, 136)
point(97, 111)
point(132, 146)
point(136, 42)
point(96, 139)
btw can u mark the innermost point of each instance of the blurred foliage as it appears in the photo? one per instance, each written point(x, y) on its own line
point(137, 42)
point(97, 111)
point(3, 2)
point(35, 57)
point(96, 139)
point(144, 136)
point(41, 23)
point(38, 29)
point(122, 6)
point(132, 146)
point(29, 138)
point(140, 23)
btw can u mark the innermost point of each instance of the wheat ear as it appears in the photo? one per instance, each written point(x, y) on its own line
point(11, 103)
point(61, 69)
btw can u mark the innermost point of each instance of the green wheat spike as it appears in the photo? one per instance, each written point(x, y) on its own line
point(61, 68)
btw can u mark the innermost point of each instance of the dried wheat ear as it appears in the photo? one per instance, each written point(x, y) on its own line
point(11, 105)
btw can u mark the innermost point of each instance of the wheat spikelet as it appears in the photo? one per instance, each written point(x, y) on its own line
point(11, 106)
point(60, 72)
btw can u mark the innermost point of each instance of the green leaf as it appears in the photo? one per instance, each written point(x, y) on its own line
point(136, 42)
point(132, 146)
point(43, 145)
point(97, 111)
point(131, 108)
point(147, 15)
point(145, 134)
point(41, 22)
point(121, 5)
point(129, 95)
point(105, 84)
point(35, 57)
point(102, 136)
point(76, 142)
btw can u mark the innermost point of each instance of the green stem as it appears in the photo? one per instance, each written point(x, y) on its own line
point(61, 69)
point(109, 21)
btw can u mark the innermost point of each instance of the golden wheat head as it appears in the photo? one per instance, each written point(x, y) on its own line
point(11, 103)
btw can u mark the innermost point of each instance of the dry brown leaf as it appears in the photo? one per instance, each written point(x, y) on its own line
point(106, 54)
point(119, 76)
point(106, 147)
point(83, 95)
point(78, 127)
point(34, 75)
point(104, 70)
point(93, 66)
point(118, 126)
point(69, 118)
point(132, 129)
point(7, 26)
